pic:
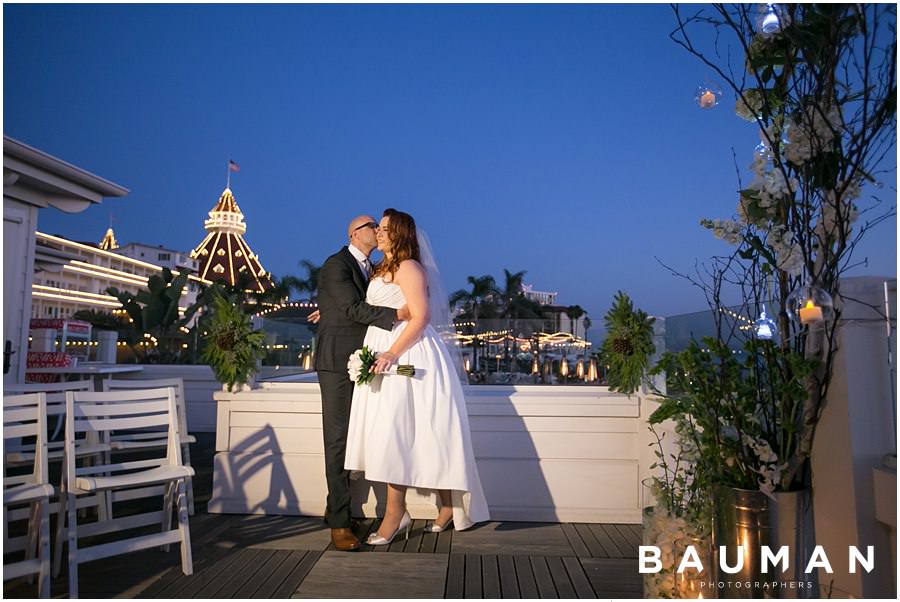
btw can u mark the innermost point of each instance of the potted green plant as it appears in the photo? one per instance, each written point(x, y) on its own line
point(232, 346)
point(107, 327)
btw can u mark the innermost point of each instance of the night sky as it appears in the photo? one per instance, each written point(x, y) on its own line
point(561, 140)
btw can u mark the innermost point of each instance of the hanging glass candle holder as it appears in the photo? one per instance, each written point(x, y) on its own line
point(809, 305)
point(708, 95)
point(771, 20)
point(764, 326)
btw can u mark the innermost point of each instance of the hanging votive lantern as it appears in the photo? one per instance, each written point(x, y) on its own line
point(579, 369)
point(708, 95)
point(764, 326)
point(762, 149)
point(564, 367)
point(771, 23)
point(809, 305)
point(535, 366)
point(468, 365)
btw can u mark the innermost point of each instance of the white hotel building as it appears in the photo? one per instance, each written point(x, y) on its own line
point(71, 276)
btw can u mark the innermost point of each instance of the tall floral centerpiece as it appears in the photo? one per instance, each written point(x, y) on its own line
point(819, 84)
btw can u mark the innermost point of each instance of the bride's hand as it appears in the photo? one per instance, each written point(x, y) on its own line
point(383, 362)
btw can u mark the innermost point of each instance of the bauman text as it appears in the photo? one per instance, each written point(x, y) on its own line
point(649, 557)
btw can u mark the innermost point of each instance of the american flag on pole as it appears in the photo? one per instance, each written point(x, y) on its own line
point(232, 166)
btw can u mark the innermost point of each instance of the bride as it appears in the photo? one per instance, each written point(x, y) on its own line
point(413, 431)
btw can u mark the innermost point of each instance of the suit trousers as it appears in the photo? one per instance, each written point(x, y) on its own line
point(337, 394)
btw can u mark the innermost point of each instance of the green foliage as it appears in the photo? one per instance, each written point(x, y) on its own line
point(739, 413)
point(154, 311)
point(101, 320)
point(232, 346)
point(628, 345)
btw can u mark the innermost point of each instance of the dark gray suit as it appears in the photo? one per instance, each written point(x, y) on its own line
point(342, 327)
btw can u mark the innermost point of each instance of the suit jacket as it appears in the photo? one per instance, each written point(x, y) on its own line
point(345, 315)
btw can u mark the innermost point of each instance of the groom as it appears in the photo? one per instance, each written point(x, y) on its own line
point(343, 318)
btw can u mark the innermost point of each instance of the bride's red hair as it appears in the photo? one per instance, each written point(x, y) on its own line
point(401, 231)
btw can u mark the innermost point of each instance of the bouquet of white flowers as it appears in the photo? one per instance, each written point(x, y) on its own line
point(359, 367)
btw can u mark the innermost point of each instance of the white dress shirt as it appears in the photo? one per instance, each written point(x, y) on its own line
point(361, 259)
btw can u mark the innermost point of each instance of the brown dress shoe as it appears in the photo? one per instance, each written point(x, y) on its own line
point(344, 540)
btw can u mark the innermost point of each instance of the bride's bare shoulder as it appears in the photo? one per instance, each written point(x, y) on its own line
point(410, 269)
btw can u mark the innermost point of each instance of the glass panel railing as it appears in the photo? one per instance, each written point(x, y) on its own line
point(494, 351)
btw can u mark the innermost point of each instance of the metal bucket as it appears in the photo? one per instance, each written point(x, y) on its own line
point(749, 520)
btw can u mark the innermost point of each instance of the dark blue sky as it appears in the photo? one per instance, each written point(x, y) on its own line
point(561, 140)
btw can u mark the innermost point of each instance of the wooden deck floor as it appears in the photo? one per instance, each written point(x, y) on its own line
point(238, 556)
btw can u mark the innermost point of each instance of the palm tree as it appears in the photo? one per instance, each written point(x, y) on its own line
point(477, 303)
point(574, 312)
point(310, 284)
point(516, 305)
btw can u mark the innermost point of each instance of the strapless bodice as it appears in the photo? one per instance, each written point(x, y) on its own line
point(385, 294)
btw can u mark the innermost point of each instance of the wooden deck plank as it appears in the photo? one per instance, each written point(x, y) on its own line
point(575, 540)
point(415, 537)
point(456, 574)
point(249, 560)
point(490, 577)
point(632, 537)
point(279, 574)
point(596, 548)
point(509, 585)
point(429, 543)
point(525, 574)
point(613, 575)
point(343, 575)
point(527, 539)
point(444, 542)
point(202, 563)
point(296, 576)
point(560, 577)
point(626, 550)
point(542, 577)
point(189, 586)
point(258, 586)
point(578, 578)
point(473, 577)
point(606, 541)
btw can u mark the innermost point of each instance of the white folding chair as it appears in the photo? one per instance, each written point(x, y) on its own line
point(25, 416)
point(56, 408)
point(155, 437)
point(103, 414)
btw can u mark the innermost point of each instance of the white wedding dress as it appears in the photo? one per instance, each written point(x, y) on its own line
point(414, 431)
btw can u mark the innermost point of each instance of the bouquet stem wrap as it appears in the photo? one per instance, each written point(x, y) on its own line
point(359, 367)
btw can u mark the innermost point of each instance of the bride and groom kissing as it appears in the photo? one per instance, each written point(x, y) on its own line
point(402, 431)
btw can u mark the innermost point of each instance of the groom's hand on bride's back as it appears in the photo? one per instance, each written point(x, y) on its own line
point(403, 314)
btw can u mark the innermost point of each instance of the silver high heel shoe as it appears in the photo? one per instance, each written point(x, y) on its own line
point(377, 540)
point(436, 528)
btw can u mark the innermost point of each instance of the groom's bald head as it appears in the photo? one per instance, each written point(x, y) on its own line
point(361, 233)
point(357, 222)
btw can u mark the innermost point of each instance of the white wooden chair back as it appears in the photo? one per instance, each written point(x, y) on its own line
point(55, 414)
point(119, 412)
point(176, 383)
point(25, 417)
point(149, 437)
